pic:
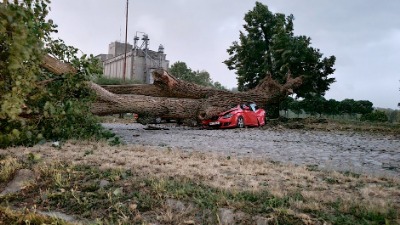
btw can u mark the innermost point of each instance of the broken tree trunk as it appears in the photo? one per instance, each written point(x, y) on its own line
point(109, 103)
point(165, 85)
point(173, 98)
point(211, 101)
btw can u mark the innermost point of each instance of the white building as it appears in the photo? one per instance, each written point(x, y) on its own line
point(140, 61)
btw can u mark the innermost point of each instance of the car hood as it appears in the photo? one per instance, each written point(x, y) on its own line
point(230, 110)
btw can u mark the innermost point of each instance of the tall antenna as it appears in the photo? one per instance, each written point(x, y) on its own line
point(126, 38)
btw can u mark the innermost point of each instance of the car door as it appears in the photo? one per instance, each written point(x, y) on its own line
point(260, 114)
point(250, 116)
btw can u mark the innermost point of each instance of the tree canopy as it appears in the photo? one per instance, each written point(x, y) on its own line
point(181, 71)
point(269, 46)
point(319, 105)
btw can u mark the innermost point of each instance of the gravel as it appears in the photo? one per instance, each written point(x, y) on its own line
point(345, 151)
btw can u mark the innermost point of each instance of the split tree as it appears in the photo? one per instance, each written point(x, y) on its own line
point(173, 98)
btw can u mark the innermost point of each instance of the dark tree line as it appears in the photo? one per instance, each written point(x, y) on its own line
point(318, 105)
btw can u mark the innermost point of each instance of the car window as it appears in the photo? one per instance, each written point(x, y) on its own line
point(253, 107)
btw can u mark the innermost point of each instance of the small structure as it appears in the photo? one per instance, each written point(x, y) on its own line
point(140, 60)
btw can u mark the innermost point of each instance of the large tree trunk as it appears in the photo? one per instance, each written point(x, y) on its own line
point(211, 101)
point(173, 98)
point(165, 85)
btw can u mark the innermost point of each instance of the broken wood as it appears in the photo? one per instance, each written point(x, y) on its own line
point(165, 85)
point(56, 66)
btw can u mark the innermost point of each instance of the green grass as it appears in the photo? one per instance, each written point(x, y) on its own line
point(341, 125)
point(8, 166)
point(8, 216)
point(358, 215)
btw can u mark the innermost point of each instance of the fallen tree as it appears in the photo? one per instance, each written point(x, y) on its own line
point(173, 98)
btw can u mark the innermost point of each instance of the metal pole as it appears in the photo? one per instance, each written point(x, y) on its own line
point(126, 39)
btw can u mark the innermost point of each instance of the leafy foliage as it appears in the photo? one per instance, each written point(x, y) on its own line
point(269, 46)
point(376, 116)
point(286, 103)
point(181, 71)
point(296, 107)
point(393, 115)
point(319, 105)
point(351, 107)
point(314, 105)
point(35, 104)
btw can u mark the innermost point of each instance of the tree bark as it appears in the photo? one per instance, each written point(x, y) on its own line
point(165, 85)
point(56, 66)
point(173, 98)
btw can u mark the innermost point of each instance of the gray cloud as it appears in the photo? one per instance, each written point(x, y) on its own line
point(363, 34)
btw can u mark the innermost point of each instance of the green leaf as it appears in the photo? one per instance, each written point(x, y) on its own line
point(118, 191)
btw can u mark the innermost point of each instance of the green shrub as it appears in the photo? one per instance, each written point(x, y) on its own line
point(376, 116)
point(37, 105)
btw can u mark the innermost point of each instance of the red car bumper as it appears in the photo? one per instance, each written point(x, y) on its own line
point(220, 123)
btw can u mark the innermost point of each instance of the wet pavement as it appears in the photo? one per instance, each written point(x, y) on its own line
point(345, 151)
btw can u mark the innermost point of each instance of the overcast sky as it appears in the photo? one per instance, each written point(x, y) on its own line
point(364, 35)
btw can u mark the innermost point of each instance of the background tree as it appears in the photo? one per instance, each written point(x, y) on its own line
point(181, 71)
point(285, 105)
point(376, 116)
point(332, 107)
point(393, 116)
point(218, 85)
point(202, 78)
point(347, 106)
point(363, 107)
point(296, 107)
point(314, 105)
point(352, 107)
point(319, 105)
point(269, 46)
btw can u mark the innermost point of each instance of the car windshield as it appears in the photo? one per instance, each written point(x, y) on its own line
point(253, 106)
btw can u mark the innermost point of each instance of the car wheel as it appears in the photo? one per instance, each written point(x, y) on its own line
point(240, 122)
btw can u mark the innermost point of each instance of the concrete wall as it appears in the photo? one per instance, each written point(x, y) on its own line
point(118, 48)
point(104, 57)
point(137, 66)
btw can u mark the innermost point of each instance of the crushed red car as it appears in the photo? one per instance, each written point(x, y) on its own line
point(241, 115)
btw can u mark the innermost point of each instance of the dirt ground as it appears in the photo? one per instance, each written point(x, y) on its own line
point(244, 160)
point(226, 172)
point(359, 152)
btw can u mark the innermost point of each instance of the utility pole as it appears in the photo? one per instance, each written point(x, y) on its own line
point(126, 39)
